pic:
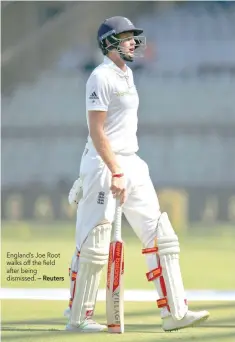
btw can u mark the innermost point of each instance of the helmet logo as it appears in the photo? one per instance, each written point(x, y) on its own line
point(128, 21)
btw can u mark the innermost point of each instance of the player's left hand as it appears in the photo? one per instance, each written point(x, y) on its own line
point(118, 188)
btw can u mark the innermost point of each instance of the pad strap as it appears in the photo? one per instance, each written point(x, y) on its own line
point(162, 302)
point(151, 275)
point(157, 273)
point(149, 250)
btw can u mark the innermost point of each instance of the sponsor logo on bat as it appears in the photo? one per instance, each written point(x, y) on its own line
point(117, 265)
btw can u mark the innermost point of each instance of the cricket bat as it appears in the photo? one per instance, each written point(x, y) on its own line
point(115, 272)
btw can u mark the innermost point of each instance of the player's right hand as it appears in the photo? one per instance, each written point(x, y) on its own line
point(118, 188)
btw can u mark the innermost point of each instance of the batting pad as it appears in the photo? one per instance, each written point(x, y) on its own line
point(93, 257)
point(87, 284)
point(163, 262)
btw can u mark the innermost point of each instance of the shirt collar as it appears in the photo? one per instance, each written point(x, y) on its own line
point(109, 62)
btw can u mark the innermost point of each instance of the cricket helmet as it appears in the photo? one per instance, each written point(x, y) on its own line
point(109, 31)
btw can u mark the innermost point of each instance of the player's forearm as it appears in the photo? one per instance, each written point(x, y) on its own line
point(103, 147)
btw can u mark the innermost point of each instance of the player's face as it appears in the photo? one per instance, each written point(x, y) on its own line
point(128, 43)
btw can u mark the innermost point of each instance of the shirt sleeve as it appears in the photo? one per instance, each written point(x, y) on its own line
point(97, 93)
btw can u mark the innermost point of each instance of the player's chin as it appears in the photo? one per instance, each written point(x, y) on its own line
point(130, 55)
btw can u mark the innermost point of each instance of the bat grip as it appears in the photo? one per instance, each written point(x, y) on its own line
point(118, 223)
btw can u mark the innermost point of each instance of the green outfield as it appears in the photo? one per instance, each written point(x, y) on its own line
point(207, 258)
point(42, 321)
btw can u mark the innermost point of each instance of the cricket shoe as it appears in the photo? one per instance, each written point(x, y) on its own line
point(87, 326)
point(191, 319)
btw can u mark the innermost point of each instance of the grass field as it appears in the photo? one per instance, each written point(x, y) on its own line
point(40, 321)
point(207, 258)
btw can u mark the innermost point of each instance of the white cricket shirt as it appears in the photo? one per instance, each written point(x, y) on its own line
point(111, 89)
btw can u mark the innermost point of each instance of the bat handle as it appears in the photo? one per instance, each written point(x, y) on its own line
point(118, 223)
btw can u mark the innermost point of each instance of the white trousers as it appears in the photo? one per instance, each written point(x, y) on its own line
point(141, 207)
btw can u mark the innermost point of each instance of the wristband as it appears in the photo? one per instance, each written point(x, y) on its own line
point(118, 175)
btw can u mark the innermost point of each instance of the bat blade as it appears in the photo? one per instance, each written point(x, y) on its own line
point(115, 288)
